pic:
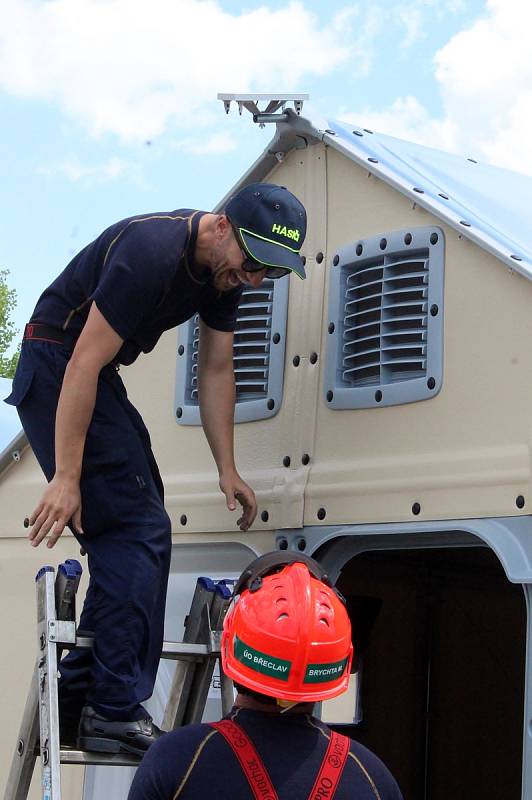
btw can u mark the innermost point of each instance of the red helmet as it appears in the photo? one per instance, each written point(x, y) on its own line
point(288, 634)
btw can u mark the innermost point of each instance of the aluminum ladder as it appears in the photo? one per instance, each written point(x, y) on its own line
point(56, 631)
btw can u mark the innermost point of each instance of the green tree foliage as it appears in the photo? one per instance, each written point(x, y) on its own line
point(8, 301)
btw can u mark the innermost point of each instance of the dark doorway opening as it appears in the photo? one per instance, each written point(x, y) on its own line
point(440, 637)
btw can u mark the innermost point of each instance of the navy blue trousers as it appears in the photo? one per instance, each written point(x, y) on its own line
point(126, 535)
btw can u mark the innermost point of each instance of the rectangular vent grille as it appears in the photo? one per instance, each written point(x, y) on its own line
point(251, 352)
point(385, 321)
point(385, 327)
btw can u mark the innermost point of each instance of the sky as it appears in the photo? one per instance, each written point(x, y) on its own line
point(109, 107)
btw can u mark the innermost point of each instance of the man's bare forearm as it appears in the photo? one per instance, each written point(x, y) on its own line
point(74, 413)
point(217, 409)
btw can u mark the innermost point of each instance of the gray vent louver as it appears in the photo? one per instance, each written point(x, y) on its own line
point(258, 356)
point(385, 320)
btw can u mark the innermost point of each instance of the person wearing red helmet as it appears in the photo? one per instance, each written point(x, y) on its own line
point(286, 644)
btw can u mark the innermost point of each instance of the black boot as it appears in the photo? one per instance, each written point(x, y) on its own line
point(112, 736)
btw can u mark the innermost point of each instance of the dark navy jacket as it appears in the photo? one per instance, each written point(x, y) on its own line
point(142, 276)
point(196, 763)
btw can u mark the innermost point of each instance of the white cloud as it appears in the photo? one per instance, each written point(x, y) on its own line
point(134, 68)
point(411, 18)
point(416, 16)
point(215, 144)
point(485, 79)
point(408, 119)
point(75, 171)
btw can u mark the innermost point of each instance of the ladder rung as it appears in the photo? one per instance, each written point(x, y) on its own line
point(181, 651)
point(188, 652)
point(98, 759)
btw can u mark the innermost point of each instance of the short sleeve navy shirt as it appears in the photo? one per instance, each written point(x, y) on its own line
point(195, 762)
point(142, 276)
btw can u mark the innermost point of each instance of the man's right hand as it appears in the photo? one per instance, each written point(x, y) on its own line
point(97, 345)
point(60, 503)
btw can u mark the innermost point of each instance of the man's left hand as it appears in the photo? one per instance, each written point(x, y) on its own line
point(235, 489)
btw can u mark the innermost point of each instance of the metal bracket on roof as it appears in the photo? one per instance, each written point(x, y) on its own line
point(274, 102)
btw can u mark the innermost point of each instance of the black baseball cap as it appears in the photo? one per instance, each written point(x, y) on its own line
point(272, 225)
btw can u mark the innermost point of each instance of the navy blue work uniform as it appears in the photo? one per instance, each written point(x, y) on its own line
point(196, 762)
point(142, 276)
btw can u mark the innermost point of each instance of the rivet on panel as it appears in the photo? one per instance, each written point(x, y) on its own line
point(520, 501)
point(472, 160)
point(304, 260)
point(408, 238)
point(265, 516)
point(179, 413)
point(331, 327)
point(276, 338)
point(305, 459)
point(416, 509)
point(465, 224)
point(319, 257)
point(296, 361)
point(418, 190)
point(445, 196)
point(516, 258)
point(313, 358)
point(336, 259)
point(358, 133)
point(383, 244)
point(180, 349)
point(359, 249)
point(368, 130)
point(302, 544)
point(434, 238)
point(374, 160)
point(286, 461)
point(431, 383)
point(271, 404)
point(183, 519)
point(282, 543)
point(434, 310)
point(378, 395)
point(321, 513)
point(330, 132)
point(330, 395)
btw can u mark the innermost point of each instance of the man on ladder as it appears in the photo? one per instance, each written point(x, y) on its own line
point(140, 277)
point(286, 644)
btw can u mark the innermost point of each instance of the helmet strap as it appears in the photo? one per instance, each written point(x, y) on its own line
point(286, 705)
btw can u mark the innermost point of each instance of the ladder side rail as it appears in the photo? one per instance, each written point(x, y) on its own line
point(227, 691)
point(178, 696)
point(56, 606)
point(212, 625)
point(47, 686)
point(23, 763)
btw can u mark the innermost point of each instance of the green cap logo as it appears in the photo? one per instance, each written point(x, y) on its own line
point(321, 673)
point(284, 230)
point(261, 662)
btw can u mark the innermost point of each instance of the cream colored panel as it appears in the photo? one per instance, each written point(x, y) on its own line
point(184, 457)
point(465, 453)
point(19, 563)
point(21, 486)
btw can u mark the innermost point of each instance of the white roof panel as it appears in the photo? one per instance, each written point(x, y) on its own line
point(490, 205)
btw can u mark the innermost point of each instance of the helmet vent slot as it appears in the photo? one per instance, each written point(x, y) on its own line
point(284, 615)
point(281, 600)
point(326, 621)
